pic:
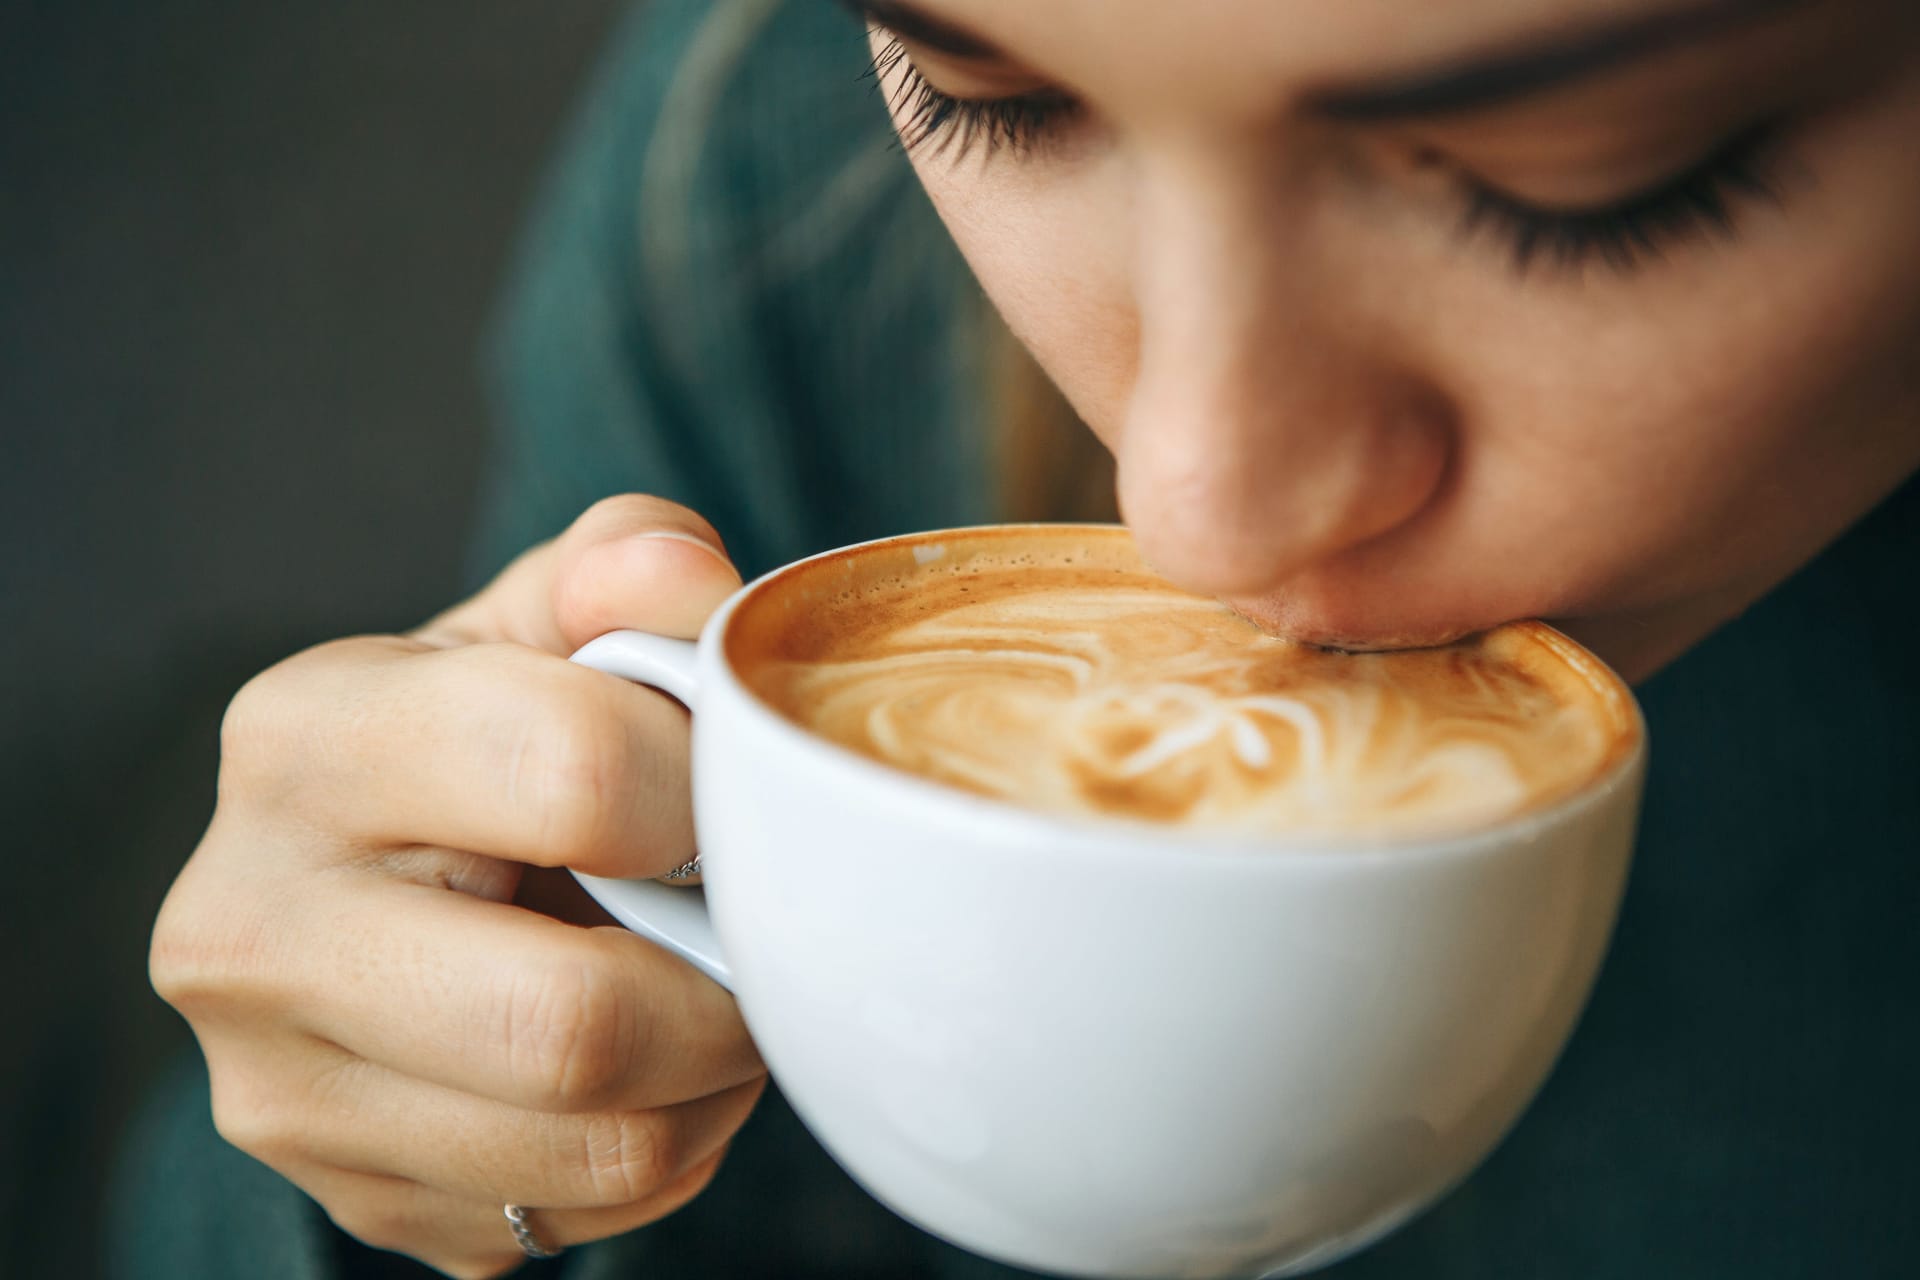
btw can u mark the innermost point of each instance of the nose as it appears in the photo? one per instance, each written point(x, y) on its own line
point(1268, 428)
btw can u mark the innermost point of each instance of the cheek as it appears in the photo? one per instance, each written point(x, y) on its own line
point(1051, 244)
point(1676, 438)
point(1708, 424)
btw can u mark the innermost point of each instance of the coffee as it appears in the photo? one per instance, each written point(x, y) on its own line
point(1051, 669)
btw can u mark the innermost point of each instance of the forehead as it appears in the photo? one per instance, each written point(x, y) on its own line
point(1235, 48)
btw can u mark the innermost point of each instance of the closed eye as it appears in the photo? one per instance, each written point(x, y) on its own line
point(929, 118)
point(1702, 202)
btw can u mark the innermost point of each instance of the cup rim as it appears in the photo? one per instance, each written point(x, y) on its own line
point(952, 804)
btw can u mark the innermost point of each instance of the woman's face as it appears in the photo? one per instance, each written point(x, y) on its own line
point(1406, 319)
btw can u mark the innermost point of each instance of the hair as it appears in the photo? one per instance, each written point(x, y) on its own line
point(1046, 464)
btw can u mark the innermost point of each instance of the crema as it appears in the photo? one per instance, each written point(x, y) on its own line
point(1051, 669)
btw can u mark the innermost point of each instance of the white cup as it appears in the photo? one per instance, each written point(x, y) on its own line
point(1114, 1049)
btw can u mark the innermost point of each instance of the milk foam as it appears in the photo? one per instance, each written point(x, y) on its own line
point(1116, 696)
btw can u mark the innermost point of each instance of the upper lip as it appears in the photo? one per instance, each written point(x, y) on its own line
point(1306, 630)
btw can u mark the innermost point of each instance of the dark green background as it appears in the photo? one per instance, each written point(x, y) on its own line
point(246, 251)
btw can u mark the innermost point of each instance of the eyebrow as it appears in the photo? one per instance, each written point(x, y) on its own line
point(1554, 63)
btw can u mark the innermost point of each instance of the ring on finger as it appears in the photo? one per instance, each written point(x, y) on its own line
point(523, 1234)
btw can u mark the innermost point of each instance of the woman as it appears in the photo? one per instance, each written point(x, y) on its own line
point(1399, 321)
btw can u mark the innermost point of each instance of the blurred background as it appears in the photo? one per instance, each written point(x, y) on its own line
point(246, 256)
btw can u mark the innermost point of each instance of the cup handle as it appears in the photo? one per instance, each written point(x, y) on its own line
point(673, 918)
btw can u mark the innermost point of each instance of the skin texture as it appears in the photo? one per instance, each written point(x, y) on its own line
point(1368, 428)
point(404, 1008)
point(1328, 405)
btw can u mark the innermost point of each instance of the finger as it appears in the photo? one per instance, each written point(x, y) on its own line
point(629, 561)
point(380, 1122)
point(509, 1005)
point(493, 748)
point(568, 1227)
point(465, 1237)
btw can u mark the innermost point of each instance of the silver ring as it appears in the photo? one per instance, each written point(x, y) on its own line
point(685, 869)
point(530, 1244)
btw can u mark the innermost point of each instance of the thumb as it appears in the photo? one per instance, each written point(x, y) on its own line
point(629, 561)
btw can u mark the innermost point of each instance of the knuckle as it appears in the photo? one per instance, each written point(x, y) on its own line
point(179, 966)
point(254, 730)
point(386, 1217)
point(696, 1180)
point(580, 770)
point(204, 955)
point(271, 721)
point(277, 1110)
point(250, 1119)
point(574, 1035)
point(176, 961)
point(626, 1156)
point(379, 1221)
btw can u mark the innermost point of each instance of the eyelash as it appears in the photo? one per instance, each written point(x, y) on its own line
point(930, 118)
point(1700, 203)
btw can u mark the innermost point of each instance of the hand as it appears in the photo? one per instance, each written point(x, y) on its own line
point(385, 1020)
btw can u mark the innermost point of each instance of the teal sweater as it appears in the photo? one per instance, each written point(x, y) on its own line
point(771, 337)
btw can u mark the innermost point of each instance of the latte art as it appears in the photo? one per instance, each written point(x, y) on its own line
point(1098, 690)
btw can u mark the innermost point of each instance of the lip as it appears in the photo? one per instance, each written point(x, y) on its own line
point(1287, 617)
